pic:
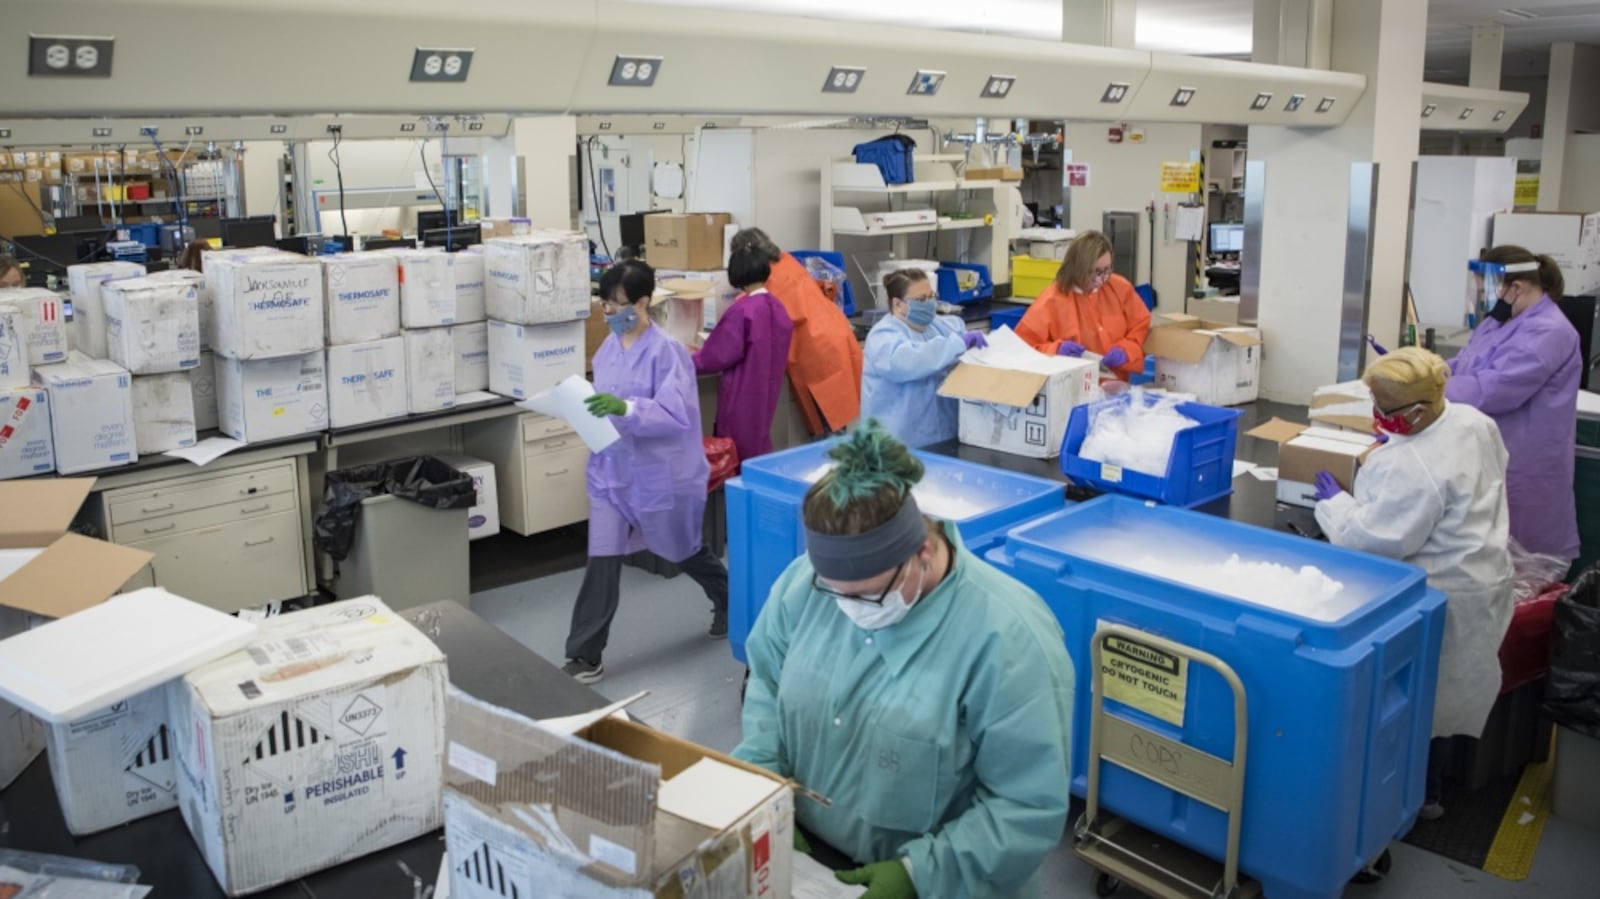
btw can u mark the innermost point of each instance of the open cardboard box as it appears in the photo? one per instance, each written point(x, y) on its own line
point(1017, 410)
point(1219, 363)
point(1347, 406)
point(1304, 450)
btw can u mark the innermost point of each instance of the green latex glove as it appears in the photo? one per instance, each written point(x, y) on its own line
point(603, 404)
point(800, 844)
point(883, 880)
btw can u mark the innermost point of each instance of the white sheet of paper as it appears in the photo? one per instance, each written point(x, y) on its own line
point(476, 396)
point(811, 879)
point(1241, 467)
point(571, 724)
point(1588, 402)
point(714, 794)
point(1007, 350)
point(207, 451)
point(1265, 474)
point(441, 884)
point(565, 401)
point(1190, 223)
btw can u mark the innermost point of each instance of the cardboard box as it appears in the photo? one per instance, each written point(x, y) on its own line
point(26, 445)
point(1224, 311)
point(595, 332)
point(152, 327)
point(163, 412)
point(1346, 406)
point(91, 413)
point(624, 811)
point(472, 356)
point(1305, 450)
point(505, 227)
point(320, 742)
point(203, 387)
point(47, 322)
point(675, 241)
point(1019, 411)
point(1219, 365)
point(428, 285)
point(15, 331)
point(430, 356)
point(1572, 239)
point(266, 307)
point(267, 399)
point(483, 519)
point(366, 382)
point(115, 766)
point(362, 295)
point(205, 306)
point(542, 278)
point(471, 291)
point(213, 283)
point(525, 360)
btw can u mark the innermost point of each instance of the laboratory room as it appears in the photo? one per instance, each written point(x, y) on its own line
point(754, 449)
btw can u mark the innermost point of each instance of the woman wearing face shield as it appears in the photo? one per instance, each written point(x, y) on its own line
point(908, 355)
point(1089, 308)
point(1434, 495)
point(1522, 368)
point(926, 694)
point(647, 490)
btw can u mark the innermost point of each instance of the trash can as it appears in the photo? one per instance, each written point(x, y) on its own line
point(1572, 700)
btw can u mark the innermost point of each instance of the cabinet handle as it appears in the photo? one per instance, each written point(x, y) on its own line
point(557, 429)
point(166, 508)
point(248, 544)
point(162, 529)
point(556, 474)
point(255, 510)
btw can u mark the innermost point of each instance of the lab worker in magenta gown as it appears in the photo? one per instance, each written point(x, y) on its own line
point(647, 490)
point(749, 348)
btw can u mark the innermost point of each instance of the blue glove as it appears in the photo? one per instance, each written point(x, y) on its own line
point(974, 340)
point(1070, 348)
point(1117, 358)
point(1327, 487)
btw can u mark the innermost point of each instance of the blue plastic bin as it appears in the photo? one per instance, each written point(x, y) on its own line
point(146, 233)
point(765, 533)
point(1340, 709)
point(950, 287)
point(847, 297)
point(1008, 317)
point(1148, 376)
point(1200, 470)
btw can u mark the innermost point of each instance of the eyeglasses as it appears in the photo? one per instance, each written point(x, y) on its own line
point(1390, 413)
point(820, 587)
point(612, 307)
point(1100, 274)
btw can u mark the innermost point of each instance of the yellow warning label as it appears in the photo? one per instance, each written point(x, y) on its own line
point(1527, 190)
point(1180, 177)
point(1147, 679)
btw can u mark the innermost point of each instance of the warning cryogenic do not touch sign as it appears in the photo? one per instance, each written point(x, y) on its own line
point(1150, 680)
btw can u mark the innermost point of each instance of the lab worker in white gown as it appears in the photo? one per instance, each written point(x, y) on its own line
point(1434, 495)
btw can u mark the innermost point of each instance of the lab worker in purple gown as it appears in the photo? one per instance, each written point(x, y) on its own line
point(647, 490)
point(750, 349)
point(1522, 368)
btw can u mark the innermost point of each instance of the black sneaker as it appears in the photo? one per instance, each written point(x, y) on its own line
point(583, 672)
point(719, 627)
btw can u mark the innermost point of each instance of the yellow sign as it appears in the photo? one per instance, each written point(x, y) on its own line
point(1527, 190)
point(1180, 177)
point(1146, 679)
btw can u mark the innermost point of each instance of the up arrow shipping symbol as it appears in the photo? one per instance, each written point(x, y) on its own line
point(399, 759)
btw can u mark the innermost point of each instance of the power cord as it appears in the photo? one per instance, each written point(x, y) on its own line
point(594, 191)
point(338, 174)
point(177, 180)
point(422, 152)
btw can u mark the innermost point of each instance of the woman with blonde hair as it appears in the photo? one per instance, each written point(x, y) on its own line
point(1434, 495)
point(1091, 309)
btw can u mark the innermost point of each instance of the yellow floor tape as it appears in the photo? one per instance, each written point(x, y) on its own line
point(1511, 854)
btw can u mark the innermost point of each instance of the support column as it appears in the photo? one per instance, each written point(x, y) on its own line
point(1104, 23)
point(1264, 32)
point(1488, 49)
point(1557, 124)
point(1293, 33)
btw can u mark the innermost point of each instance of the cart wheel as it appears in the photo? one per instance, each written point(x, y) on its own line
point(1105, 884)
point(1374, 872)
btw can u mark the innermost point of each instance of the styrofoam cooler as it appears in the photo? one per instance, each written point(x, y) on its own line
point(1339, 702)
point(764, 526)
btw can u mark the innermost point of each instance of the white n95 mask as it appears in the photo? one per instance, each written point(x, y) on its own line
point(871, 616)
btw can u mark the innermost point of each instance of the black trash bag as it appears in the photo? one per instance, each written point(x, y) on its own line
point(421, 479)
point(1572, 689)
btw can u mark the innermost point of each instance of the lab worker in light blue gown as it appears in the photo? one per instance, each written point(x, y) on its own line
point(908, 355)
point(923, 692)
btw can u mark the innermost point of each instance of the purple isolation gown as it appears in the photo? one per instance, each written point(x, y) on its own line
point(750, 349)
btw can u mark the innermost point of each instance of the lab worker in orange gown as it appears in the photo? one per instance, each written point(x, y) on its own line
point(1090, 309)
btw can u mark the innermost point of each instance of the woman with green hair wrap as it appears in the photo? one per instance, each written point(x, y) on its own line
point(925, 693)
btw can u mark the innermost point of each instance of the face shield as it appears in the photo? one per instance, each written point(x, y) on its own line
point(1486, 289)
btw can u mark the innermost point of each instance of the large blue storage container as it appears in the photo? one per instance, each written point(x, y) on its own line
point(765, 534)
point(1199, 471)
point(1340, 705)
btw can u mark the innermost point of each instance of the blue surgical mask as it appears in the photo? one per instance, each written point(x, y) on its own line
point(623, 322)
point(921, 312)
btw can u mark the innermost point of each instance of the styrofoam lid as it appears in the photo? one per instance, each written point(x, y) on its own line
point(68, 668)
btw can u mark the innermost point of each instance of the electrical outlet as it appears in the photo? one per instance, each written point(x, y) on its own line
point(69, 57)
point(998, 86)
point(194, 130)
point(408, 127)
point(843, 79)
point(102, 132)
point(634, 71)
point(5, 133)
point(335, 129)
point(442, 65)
point(926, 83)
point(279, 129)
point(1116, 92)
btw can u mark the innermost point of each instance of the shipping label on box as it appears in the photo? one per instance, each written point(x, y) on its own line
point(26, 445)
point(91, 413)
point(525, 360)
point(674, 241)
point(15, 368)
point(1023, 412)
point(471, 291)
point(47, 322)
point(88, 309)
point(362, 293)
point(163, 412)
point(472, 356)
point(320, 742)
point(114, 766)
point(267, 307)
point(366, 382)
point(268, 399)
point(152, 327)
point(483, 519)
point(430, 370)
point(539, 279)
point(203, 387)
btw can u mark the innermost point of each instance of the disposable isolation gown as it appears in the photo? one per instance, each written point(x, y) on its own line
point(904, 368)
point(945, 738)
point(824, 356)
point(1524, 374)
point(1109, 317)
point(1438, 501)
point(750, 348)
point(648, 490)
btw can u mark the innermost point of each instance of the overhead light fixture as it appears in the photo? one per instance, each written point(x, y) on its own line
point(635, 71)
point(1116, 92)
point(440, 64)
point(998, 86)
point(1429, 109)
point(843, 79)
point(1499, 114)
point(279, 129)
point(1325, 104)
point(1466, 113)
point(926, 83)
point(1261, 100)
point(1295, 100)
point(1182, 96)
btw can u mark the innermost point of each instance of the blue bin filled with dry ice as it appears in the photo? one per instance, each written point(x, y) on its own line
point(1339, 667)
point(765, 533)
point(1199, 470)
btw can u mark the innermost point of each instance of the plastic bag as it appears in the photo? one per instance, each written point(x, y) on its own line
point(66, 866)
point(724, 459)
point(1572, 688)
point(1534, 573)
point(35, 875)
point(1136, 434)
point(421, 479)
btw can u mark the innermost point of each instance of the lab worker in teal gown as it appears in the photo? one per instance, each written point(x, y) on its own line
point(926, 694)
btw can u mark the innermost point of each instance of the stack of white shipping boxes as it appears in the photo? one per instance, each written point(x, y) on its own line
point(536, 297)
point(203, 377)
point(91, 413)
point(46, 322)
point(153, 330)
point(88, 312)
point(366, 357)
point(26, 445)
point(269, 329)
point(442, 312)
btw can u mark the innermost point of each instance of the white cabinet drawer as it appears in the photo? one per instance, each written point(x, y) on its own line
point(556, 445)
point(183, 522)
point(235, 565)
point(539, 427)
point(557, 491)
point(189, 493)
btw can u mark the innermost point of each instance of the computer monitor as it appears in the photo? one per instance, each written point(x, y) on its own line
point(256, 231)
point(205, 227)
point(67, 223)
point(432, 220)
point(1227, 238)
point(455, 238)
point(389, 243)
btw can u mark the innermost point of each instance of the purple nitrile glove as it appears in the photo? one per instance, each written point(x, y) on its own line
point(1380, 437)
point(1117, 358)
point(1327, 487)
point(974, 340)
point(1070, 348)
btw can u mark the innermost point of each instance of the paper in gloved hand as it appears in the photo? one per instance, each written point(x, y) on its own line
point(566, 401)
